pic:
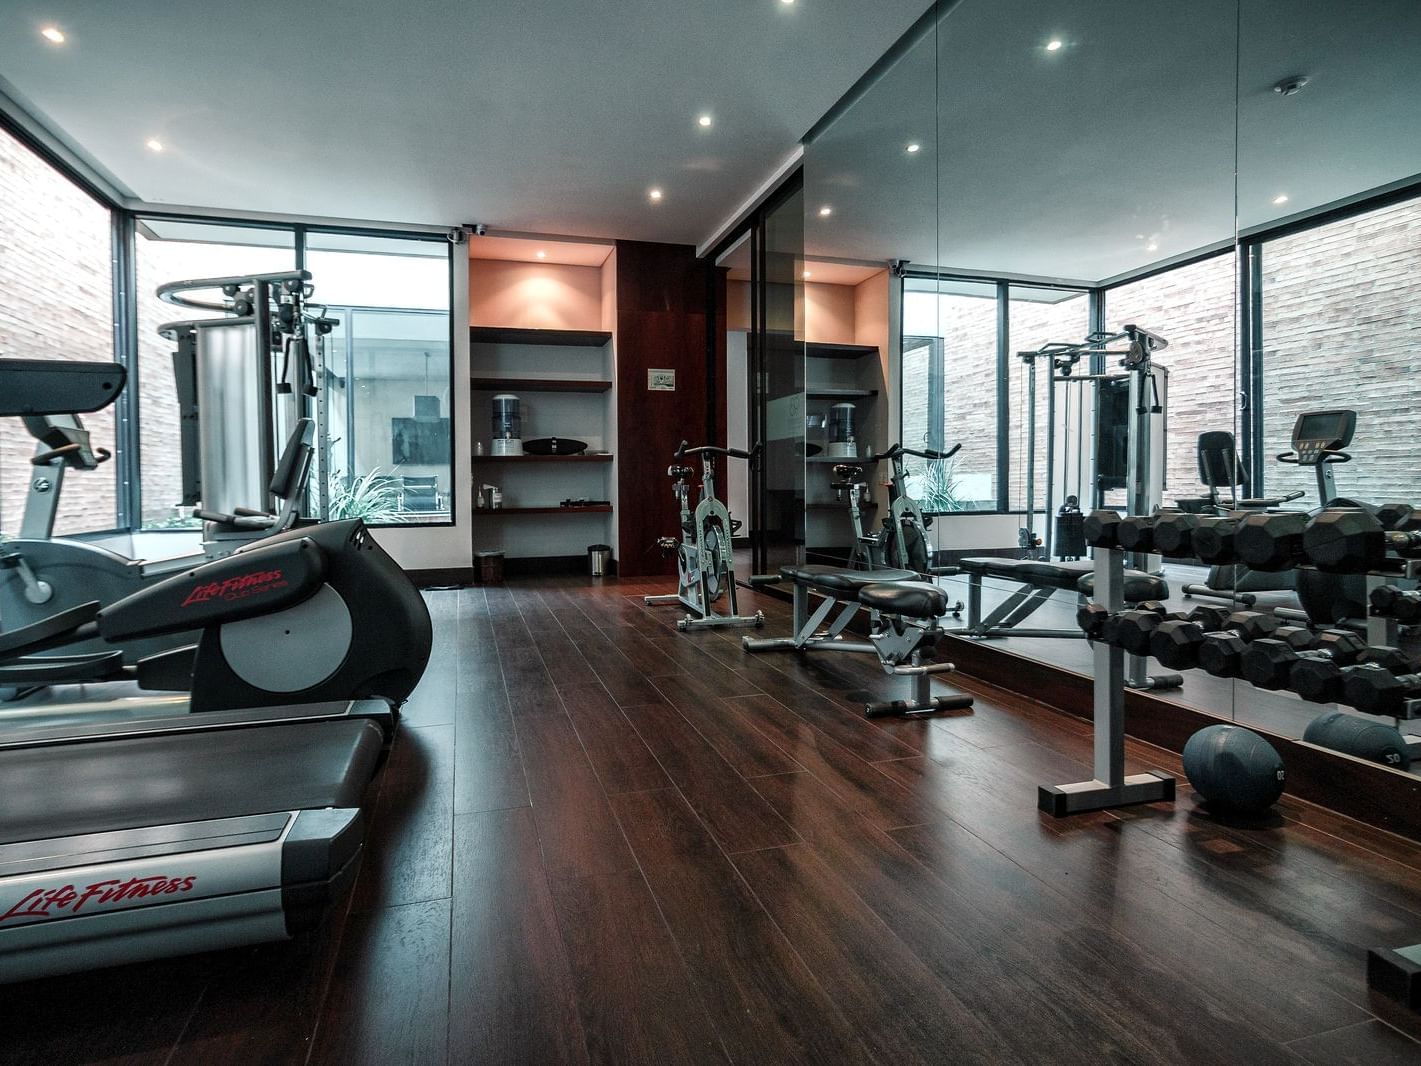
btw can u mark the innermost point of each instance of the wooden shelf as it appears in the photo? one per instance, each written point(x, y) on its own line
point(570, 338)
point(819, 350)
point(840, 394)
point(601, 508)
point(487, 384)
point(595, 457)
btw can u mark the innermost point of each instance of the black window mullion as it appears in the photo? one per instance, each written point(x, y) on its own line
point(128, 496)
point(1003, 397)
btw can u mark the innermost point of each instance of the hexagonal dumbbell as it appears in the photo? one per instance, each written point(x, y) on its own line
point(1401, 516)
point(1214, 543)
point(1317, 675)
point(1376, 690)
point(1221, 654)
point(1101, 529)
point(1269, 663)
point(1352, 541)
point(1144, 615)
point(1091, 617)
point(1136, 532)
point(1404, 605)
point(1270, 542)
point(1137, 625)
point(1175, 642)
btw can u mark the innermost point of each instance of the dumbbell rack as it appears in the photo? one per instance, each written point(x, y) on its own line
point(1383, 630)
point(1111, 786)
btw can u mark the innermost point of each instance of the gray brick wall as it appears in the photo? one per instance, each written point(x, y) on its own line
point(56, 302)
point(1345, 295)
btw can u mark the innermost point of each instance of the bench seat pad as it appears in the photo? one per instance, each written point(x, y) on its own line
point(1075, 576)
point(839, 580)
point(909, 599)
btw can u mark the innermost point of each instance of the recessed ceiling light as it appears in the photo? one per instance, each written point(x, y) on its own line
point(704, 121)
point(1152, 247)
point(825, 211)
point(914, 147)
point(1281, 198)
point(542, 254)
point(1054, 44)
point(786, 2)
point(654, 195)
point(52, 34)
point(154, 145)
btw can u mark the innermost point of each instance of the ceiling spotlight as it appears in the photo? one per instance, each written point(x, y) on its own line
point(154, 145)
point(913, 148)
point(786, 2)
point(542, 254)
point(825, 211)
point(654, 195)
point(1281, 198)
point(806, 275)
point(704, 121)
point(1054, 44)
point(1291, 85)
point(52, 34)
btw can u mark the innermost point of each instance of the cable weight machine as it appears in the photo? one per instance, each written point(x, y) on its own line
point(1122, 412)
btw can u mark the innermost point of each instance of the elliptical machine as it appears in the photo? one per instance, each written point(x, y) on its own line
point(239, 379)
point(705, 557)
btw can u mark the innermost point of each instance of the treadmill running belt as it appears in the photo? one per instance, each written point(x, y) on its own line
point(104, 785)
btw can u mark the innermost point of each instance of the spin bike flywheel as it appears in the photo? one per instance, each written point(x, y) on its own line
point(713, 548)
point(915, 547)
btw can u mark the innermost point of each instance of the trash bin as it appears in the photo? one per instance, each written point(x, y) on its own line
point(599, 558)
point(488, 568)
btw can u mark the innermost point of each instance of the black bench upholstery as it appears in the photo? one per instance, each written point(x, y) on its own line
point(909, 599)
point(1075, 576)
point(840, 581)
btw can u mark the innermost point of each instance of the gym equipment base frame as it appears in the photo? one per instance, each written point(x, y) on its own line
point(905, 627)
point(1396, 974)
point(1110, 787)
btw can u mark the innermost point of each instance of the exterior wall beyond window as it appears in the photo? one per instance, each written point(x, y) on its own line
point(56, 302)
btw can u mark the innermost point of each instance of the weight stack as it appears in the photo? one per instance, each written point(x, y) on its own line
point(1070, 535)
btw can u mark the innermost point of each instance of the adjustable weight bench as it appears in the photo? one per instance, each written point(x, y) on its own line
point(904, 627)
point(1039, 580)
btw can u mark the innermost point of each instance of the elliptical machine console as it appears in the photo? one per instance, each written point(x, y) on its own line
point(705, 564)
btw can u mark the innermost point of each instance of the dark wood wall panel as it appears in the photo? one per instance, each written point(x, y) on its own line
point(662, 320)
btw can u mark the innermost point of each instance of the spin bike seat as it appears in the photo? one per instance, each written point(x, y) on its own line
point(910, 599)
point(840, 582)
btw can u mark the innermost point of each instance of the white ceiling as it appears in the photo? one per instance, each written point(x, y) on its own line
point(1116, 151)
point(551, 117)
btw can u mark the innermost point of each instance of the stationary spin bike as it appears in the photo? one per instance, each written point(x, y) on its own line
point(705, 567)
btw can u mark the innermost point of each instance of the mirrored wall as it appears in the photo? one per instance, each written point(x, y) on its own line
point(1125, 247)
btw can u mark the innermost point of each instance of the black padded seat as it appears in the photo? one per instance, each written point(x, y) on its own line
point(1076, 576)
point(838, 580)
point(911, 599)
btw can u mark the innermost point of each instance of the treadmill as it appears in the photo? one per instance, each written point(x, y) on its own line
point(176, 835)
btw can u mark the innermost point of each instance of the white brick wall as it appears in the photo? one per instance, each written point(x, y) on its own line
point(1345, 295)
point(56, 302)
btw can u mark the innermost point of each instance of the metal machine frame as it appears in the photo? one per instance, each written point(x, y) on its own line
point(705, 556)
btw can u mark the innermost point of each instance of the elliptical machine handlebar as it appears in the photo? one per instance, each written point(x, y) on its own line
point(711, 449)
point(926, 453)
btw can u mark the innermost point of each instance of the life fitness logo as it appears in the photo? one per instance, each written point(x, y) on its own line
point(44, 902)
point(237, 588)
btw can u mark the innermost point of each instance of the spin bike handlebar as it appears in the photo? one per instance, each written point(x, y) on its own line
point(898, 451)
point(710, 449)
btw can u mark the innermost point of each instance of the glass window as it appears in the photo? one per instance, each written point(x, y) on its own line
point(167, 251)
point(389, 386)
point(1038, 317)
point(949, 388)
point(56, 277)
point(1341, 320)
point(1194, 307)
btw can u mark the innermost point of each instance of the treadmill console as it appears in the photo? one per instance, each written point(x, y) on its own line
point(1317, 433)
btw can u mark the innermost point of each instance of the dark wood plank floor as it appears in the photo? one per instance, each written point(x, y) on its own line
point(598, 839)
